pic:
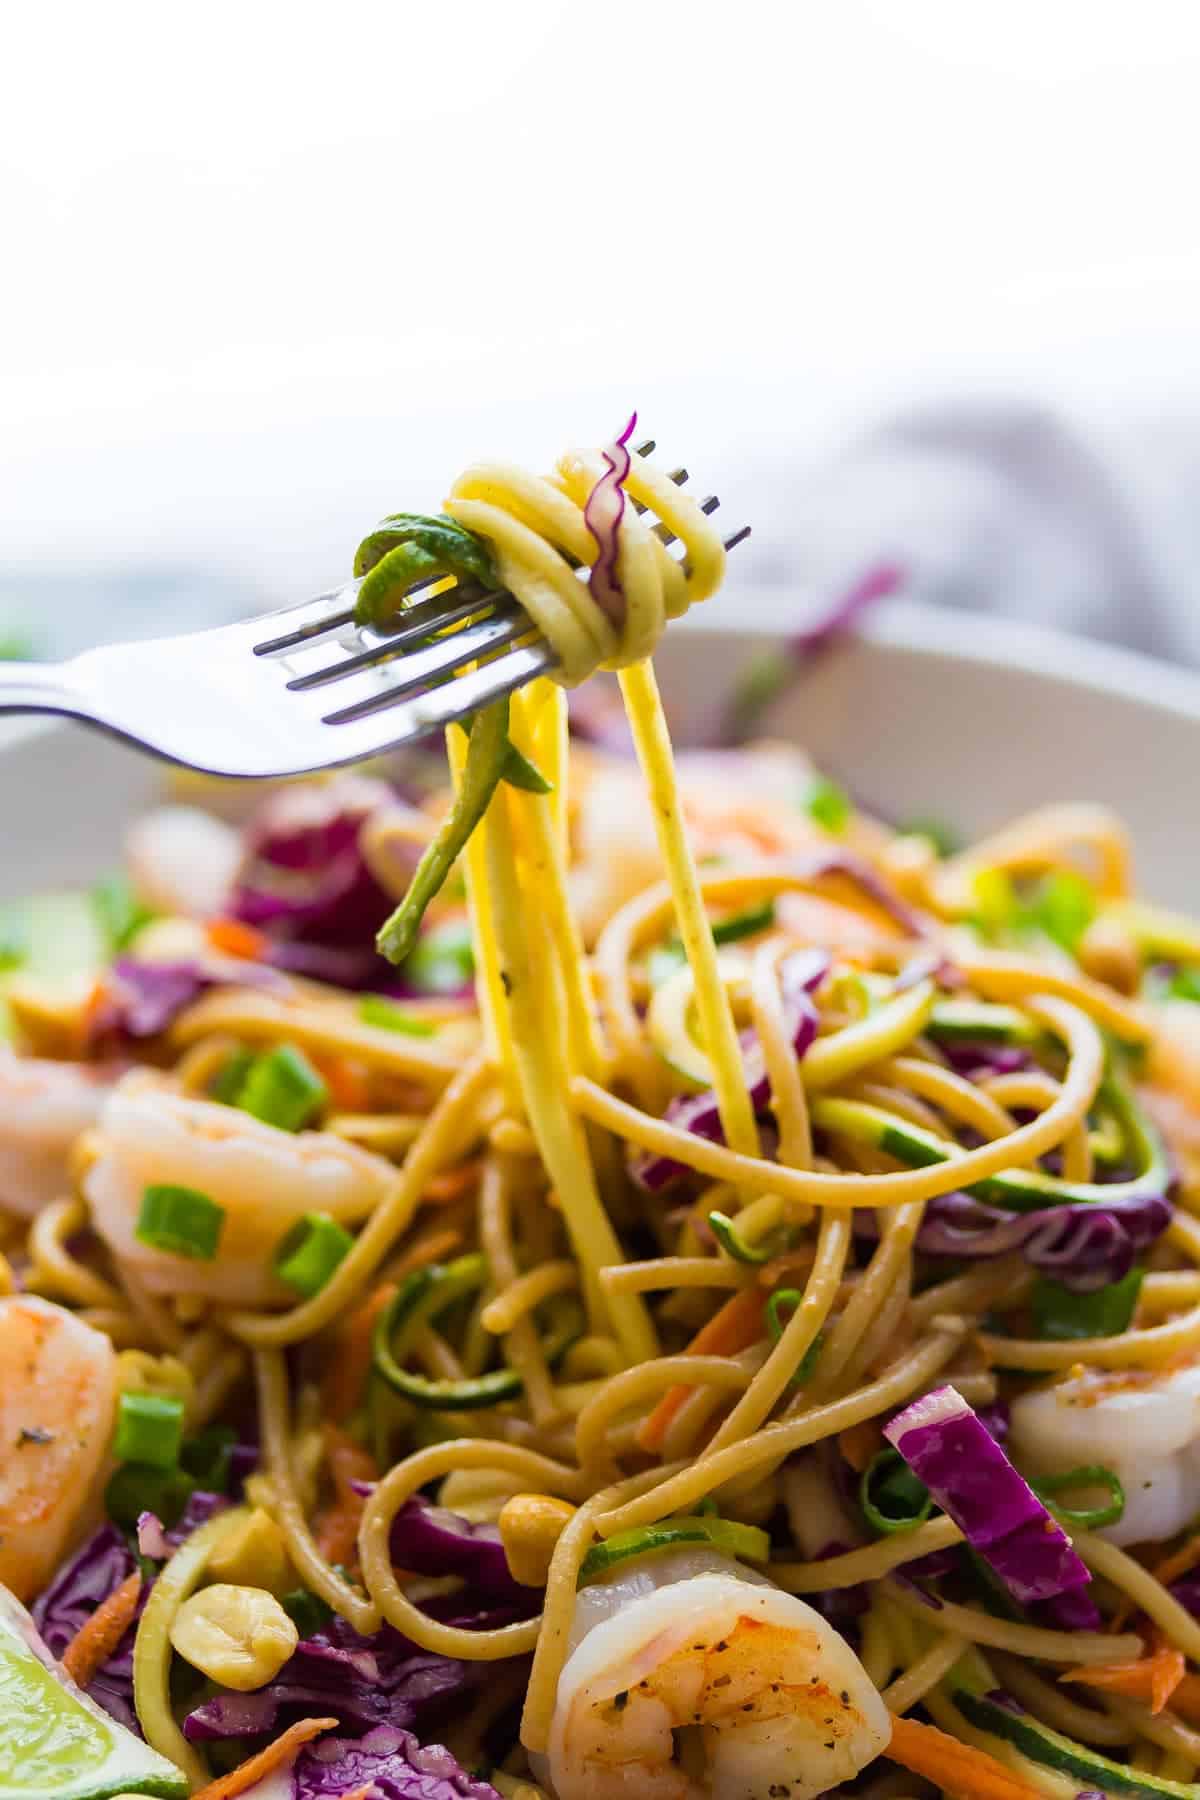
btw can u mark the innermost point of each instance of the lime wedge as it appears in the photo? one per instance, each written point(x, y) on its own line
point(54, 1740)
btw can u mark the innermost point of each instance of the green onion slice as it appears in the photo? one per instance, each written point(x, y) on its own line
point(283, 1089)
point(180, 1220)
point(892, 1498)
point(149, 1429)
point(310, 1252)
point(377, 1009)
point(1086, 1518)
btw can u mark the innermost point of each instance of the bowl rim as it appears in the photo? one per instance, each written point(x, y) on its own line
point(909, 628)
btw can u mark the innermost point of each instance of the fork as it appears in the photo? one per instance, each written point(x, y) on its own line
point(304, 688)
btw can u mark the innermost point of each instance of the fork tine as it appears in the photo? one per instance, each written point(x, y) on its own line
point(425, 713)
point(422, 622)
point(419, 667)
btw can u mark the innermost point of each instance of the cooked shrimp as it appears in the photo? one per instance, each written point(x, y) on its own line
point(263, 1179)
point(182, 859)
point(58, 1396)
point(1144, 1426)
point(693, 1678)
point(44, 1106)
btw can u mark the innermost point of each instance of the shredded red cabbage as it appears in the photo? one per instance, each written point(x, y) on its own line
point(1085, 1245)
point(388, 1762)
point(432, 1540)
point(142, 999)
point(91, 1575)
point(799, 977)
point(602, 515)
point(948, 1448)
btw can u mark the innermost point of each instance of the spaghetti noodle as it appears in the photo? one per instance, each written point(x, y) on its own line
point(625, 1232)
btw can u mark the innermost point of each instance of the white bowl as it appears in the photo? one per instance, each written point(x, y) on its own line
point(926, 714)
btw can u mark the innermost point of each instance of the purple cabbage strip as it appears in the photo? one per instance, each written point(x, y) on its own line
point(432, 1540)
point(602, 515)
point(389, 1762)
point(1085, 1245)
point(969, 1476)
point(91, 1575)
point(799, 977)
point(143, 999)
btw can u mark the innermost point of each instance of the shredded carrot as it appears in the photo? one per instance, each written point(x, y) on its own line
point(1151, 1678)
point(351, 1360)
point(452, 1184)
point(955, 1767)
point(236, 939)
point(428, 1250)
point(349, 1462)
point(265, 1762)
point(1185, 1701)
point(792, 1262)
point(99, 1636)
point(349, 1088)
point(735, 1326)
point(859, 1444)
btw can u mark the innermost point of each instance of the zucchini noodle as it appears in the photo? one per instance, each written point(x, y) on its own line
point(705, 1124)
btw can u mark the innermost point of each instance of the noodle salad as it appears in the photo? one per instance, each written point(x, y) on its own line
point(606, 1273)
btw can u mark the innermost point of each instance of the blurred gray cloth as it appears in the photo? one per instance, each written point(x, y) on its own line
point(1014, 511)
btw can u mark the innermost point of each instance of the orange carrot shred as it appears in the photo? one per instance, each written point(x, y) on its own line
point(99, 1636)
point(348, 1462)
point(1153, 1679)
point(452, 1184)
point(428, 1250)
point(955, 1767)
point(350, 1361)
point(1185, 1701)
point(256, 1768)
point(236, 939)
point(347, 1082)
point(860, 1443)
point(733, 1327)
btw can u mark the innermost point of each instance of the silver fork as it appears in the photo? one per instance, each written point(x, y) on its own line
point(304, 688)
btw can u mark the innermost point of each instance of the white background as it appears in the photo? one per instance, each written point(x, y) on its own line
point(271, 269)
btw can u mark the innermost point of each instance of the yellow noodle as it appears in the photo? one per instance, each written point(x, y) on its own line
point(259, 1017)
point(387, 1134)
point(526, 1292)
point(1163, 1728)
point(561, 1140)
point(925, 1673)
point(649, 1380)
point(869, 1564)
point(522, 1347)
point(1002, 1283)
point(1069, 1647)
point(886, 1275)
point(788, 1100)
point(1148, 1595)
point(539, 1473)
point(592, 1356)
point(153, 1311)
point(878, 1657)
point(676, 1272)
point(1041, 840)
point(1051, 1703)
point(274, 1427)
point(448, 1132)
point(781, 1438)
point(1028, 1141)
point(55, 1269)
point(1002, 975)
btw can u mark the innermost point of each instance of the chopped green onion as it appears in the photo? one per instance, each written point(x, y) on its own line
point(181, 1221)
point(1185, 985)
point(14, 938)
point(310, 1252)
point(308, 1612)
point(136, 1488)
point(1061, 1314)
point(208, 1457)
point(230, 1078)
point(943, 837)
point(149, 1429)
point(283, 1089)
point(892, 1498)
point(828, 804)
point(376, 1009)
point(120, 912)
point(1087, 1518)
point(734, 1244)
point(443, 960)
point(1063, 907)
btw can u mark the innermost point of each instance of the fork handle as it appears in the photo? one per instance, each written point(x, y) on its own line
point(35, 687)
